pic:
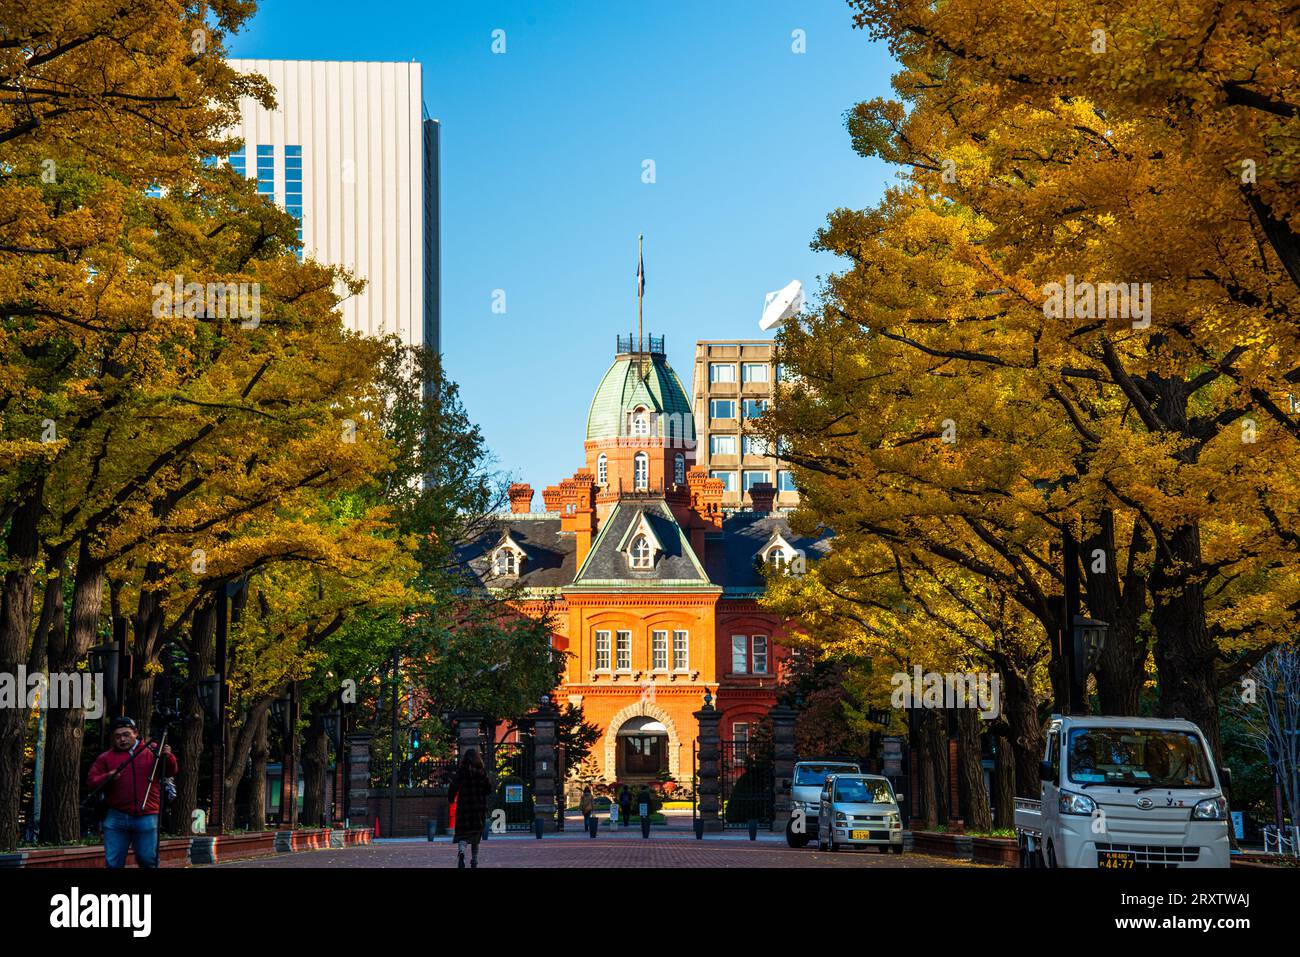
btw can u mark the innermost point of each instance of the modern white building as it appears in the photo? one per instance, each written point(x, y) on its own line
point(350, 151)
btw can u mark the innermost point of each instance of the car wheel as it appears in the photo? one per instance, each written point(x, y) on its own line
point(896, 848)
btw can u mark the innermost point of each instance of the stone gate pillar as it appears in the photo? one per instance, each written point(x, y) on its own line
point(469, 734)
point(709, 786)
point(783, 718)
point(545, 767)
point(360, 809)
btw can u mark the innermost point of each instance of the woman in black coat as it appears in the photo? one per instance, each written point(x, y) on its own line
point(470, 789)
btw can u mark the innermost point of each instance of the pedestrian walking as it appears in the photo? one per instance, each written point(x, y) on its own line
point(586, 804)
point(625, 805)
point(128, 779)
point(469, 789)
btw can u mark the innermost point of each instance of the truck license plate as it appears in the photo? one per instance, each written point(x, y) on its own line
point(1116, 860)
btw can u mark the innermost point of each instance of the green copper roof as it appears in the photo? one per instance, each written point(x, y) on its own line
point(624, 388)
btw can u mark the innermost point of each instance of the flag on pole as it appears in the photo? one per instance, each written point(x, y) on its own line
point(640, 274)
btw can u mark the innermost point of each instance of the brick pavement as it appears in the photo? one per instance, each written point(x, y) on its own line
point(665, 850)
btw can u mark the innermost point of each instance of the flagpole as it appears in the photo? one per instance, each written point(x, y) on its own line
point(640, 295)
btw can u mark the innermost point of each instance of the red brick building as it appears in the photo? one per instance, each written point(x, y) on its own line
point(654, 586)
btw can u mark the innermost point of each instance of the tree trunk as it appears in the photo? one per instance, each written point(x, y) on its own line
point(60, 802)
point(257, 786)
point(1121, 671)
point(146, 648)
point(315, 762)
point(241, 746)
point(1184, 652)
point(928, 807)
point(190, 751)
point(936, 723)
point(970, 772)
point(22, 549)
point(1026, 732)
point(1004, 785)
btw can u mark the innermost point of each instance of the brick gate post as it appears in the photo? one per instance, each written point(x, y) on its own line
point(783, 718)
point(709, 786)
point(469, 734)
point(545, 767)
point(359, 806)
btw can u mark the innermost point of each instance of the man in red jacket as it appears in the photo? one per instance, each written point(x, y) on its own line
point(133, 794)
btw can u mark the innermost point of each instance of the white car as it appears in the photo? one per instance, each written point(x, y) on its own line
point(859, 810)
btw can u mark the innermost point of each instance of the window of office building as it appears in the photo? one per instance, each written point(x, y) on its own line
point(266, 171)
point(752, 478)
point(722, 372)
point(753, 408)
point(755, 445)
point(753, 372)
point(785, 481)
point(728, 480)
point(239, 162)
point(722, 408)
point(722, 445)
point(293, 186)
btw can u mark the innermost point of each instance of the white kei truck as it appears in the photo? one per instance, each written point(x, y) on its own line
point(1125, 793)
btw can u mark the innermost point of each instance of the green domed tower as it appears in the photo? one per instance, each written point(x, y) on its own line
point(640, 429)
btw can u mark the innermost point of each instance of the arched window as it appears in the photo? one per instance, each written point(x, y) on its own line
point(776, 557)
point(641, 552)
point(641, 472)
point(602, 470)
point(506, 563)
point(640, 422)
point(679, 469)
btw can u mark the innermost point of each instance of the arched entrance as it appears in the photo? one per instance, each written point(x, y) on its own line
point(642, 749)
point(650, 741)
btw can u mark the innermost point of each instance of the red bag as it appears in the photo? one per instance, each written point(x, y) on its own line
point(451, 817)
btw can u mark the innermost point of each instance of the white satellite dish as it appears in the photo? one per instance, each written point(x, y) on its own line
point(781, 305)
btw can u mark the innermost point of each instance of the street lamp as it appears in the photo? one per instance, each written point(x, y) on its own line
point(104, 661)
point(209, 693)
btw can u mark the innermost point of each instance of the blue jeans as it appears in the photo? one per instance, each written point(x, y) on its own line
point(122, 831)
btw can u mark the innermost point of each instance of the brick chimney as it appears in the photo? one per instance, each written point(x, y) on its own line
point(521, 497)
point(762, 494)
point(706, 507)
point(551, 498)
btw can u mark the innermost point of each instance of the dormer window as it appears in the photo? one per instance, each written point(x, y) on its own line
point(640, 544)
point(508, 557)
point(640, 421)
point(780, 554)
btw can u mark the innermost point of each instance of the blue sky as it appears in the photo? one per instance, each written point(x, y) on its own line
point(542, 193)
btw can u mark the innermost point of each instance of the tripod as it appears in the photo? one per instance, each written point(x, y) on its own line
point(162, 791)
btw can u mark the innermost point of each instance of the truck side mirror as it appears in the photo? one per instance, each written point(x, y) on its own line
point(1045, 772)
point(1225, 777)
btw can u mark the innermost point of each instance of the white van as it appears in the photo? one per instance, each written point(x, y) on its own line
point(1124, 793)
